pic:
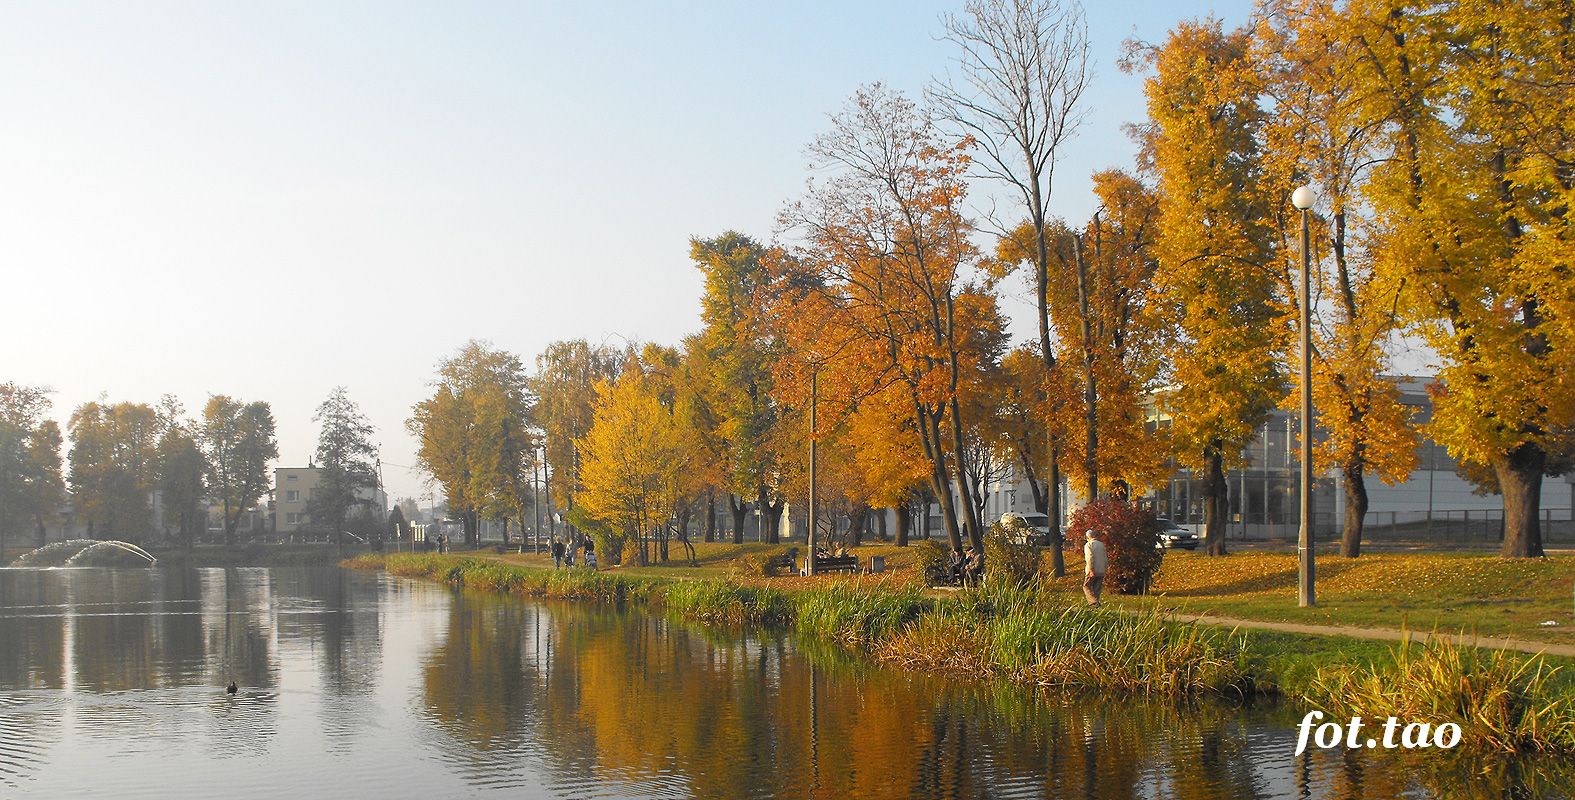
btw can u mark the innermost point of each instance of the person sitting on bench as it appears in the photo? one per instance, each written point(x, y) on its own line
point(973, 568)
point(954, 566)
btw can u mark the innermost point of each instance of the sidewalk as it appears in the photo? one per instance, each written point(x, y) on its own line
point(1382, 634)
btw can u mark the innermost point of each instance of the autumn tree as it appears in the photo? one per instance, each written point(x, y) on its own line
point(346, 460)
point(473, 434)
point(1478, 127)
point(31, 486)
point(237, 440)
point(181, 472)
point(113, 467)
point(1322, 133)
point(1022, 69)
point(883, 280)
point(1100, 291)
point(564, 384)
point(741, 353)
point(632, 461)
point(696, 382)
point(1214, 247)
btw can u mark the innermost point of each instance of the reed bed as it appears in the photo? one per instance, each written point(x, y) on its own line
point(1501, 701)
point(728, 603)
point(1032, 636)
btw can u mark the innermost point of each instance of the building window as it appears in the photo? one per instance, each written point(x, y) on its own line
point(290, 478)
point(292, 518)
point(292, 496)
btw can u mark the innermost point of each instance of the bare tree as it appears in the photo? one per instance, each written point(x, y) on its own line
point(1022, 68)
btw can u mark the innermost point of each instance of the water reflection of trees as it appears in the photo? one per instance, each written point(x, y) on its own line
point(601, 697)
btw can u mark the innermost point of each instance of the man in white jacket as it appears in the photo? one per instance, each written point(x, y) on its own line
point(1094, 568)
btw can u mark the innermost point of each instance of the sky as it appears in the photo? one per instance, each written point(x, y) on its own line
point(268, 200)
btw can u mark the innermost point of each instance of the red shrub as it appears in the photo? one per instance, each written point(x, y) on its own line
point(1131, 537)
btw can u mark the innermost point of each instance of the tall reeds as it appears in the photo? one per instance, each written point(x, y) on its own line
point(1500, 700)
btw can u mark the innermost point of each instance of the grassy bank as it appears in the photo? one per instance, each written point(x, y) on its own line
point(1036, 636)
point(1474, 593)
point(1453, 592)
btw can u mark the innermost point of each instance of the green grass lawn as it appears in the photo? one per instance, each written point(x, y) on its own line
point(1453, 592)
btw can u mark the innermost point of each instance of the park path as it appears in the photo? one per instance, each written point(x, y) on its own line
point(1382, 634)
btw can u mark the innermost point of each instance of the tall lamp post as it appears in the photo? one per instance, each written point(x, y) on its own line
point(814, 398)
point(1303, 199)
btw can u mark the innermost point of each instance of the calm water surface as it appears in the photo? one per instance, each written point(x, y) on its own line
point(356, 684)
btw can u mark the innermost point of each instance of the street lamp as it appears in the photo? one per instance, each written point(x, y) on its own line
point(809, 544)
point(1303, 199)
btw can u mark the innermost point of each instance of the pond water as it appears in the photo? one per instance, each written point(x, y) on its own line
point(356, 684)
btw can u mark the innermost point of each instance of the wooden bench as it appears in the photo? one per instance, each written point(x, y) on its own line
point(824, 564)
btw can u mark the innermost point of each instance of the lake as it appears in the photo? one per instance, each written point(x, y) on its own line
point(357, 684)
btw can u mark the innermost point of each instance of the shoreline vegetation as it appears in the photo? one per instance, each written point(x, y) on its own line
point(1036, 636)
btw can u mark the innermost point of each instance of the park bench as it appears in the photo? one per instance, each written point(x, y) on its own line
point(834, 564)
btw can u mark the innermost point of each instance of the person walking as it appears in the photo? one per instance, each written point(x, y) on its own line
point(557, 553)
point(1095, 565)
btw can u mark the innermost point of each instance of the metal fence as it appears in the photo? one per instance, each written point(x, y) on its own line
point(1478, 528)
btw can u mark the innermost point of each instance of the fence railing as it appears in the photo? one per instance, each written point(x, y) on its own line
point(1440, 528)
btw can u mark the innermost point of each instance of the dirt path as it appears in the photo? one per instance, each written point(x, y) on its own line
point(1383, 634)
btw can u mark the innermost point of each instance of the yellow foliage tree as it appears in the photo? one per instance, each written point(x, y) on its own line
point(1321, 134)
point(1478, 117)
point(1214, 250)
point(633, 463)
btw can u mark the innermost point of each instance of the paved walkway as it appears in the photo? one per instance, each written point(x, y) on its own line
point(1383, 634)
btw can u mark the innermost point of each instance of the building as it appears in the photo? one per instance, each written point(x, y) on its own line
point(1433, 503)
point(295, 487)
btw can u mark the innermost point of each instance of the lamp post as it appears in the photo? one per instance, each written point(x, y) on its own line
point(814, 397)
point(1303, 199)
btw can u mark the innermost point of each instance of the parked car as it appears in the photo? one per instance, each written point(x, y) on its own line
point(1038, 526)
point(1172, 535)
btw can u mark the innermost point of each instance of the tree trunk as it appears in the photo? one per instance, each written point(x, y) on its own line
point(774, 512)
point(738, 510)
point(710, 516)
point(1520, 481)
point(770, 515)
point(904, 523)
point(1053, 511)
point(880, 524)
point(1090, 387)
point(1216, 502)
point(856, 528)
point(1355, 512)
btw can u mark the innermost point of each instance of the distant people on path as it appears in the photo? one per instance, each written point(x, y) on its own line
point(1094, 567)
point(590, 558)
point(557, 553)
point(954, 565)
point(442, 542)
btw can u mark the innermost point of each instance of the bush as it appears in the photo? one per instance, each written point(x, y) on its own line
point(1131, 537)
point(929, 562)
point(769, 564)
point(1003, 556)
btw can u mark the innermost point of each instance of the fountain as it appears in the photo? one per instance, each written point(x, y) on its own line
point(86, 553)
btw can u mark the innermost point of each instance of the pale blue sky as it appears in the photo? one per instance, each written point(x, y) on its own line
point(270, 199)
